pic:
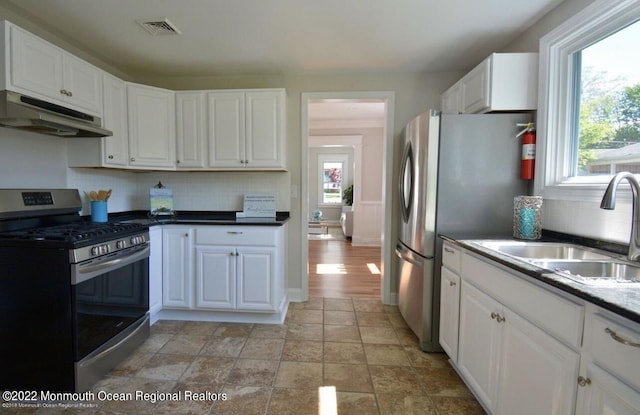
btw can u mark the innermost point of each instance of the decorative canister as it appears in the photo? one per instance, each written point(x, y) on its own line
point(527, 213)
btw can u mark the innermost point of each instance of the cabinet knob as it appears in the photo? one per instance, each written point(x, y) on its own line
point(132, 159)
point(246, 162)
point(241, 161)
point(498, 317)
point(582, 381)
point(452, 283)
point(177, 161)
point(110, 157)
point(69, 93)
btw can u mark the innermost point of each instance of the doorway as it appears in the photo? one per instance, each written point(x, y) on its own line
point(332, 128)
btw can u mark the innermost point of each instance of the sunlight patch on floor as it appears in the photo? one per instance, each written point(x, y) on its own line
point(328, 404)
point(330, 269)
point(373, 268)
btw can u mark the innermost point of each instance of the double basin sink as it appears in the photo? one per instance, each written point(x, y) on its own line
point(578, 263)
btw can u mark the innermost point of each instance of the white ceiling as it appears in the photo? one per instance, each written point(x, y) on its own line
point(235, 37)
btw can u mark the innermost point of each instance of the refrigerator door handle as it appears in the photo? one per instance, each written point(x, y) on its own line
point(406, 255)
point(405, 184)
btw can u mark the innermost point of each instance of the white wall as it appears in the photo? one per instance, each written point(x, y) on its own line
point(577, 218)
point(29, 160)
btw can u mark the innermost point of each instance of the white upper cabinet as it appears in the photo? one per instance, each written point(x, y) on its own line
point(226, 129)
point(116, 147)
point(152, 138)
point(246, 129)
point(41, 70)
point(191, 130)
point(502, 82)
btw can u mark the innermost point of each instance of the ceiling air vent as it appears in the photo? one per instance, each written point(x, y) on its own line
point(159, 26)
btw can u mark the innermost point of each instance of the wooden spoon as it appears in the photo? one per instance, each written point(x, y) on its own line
point(93, 195)
point(102, 195)
point(108, 195)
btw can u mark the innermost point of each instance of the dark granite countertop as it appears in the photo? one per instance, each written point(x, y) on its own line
point(198, 218)
point(622, 300)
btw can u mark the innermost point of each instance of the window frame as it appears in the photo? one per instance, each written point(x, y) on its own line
point(556, 101)
point(332, 158)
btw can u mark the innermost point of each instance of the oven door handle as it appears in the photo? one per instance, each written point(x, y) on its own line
point(81, 273)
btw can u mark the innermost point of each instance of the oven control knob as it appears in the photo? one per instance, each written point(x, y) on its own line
point(121, 244)
point(134, 240)
point(95, 250)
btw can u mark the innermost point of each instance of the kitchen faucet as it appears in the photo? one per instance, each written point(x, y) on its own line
point(609, 203)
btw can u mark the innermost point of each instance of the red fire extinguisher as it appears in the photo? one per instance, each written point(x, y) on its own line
point(528, 150)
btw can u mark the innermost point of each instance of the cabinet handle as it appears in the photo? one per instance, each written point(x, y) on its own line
point(619, 339)
point(494, 315)
point(452, 283)
point(186, 235)
point(234, 232)
point(582, 381)
point(110, 157)
point(449, 250)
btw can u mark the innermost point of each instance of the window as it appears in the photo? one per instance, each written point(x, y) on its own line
point(607, 139)
point(588, 121)
point(333, 176)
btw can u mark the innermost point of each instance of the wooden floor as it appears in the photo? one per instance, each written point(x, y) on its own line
point(339, 270)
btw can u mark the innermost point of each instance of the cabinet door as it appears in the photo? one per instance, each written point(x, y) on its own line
point(190, 129)
point(116, 147)
point(604, 394)
point(264, 129)
point(177, 279)
point(155, 271)
point(479, 346)
point(36, 65)
point(151, 114)
point(449, 312)
point(256, 278)
point(226, 129)
point(83, 84)
point(476, 95)
point(537, 373)
point(215, 277)
point(450, 100)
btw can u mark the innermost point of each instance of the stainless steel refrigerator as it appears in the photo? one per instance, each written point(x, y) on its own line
point(458, 175)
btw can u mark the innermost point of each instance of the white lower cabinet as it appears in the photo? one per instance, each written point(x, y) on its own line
point(609, 381)
point(224, 268)
point(513, 365)
point(603, 394)
point(155, 272)
point(449, 312)
point(177, 268)
point(215, 277)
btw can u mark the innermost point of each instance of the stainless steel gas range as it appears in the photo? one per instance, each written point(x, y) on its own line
point(74, 295)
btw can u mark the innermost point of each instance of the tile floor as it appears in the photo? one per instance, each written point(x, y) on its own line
point(361, 347)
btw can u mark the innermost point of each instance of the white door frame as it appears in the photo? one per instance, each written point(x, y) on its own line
point(387, 171)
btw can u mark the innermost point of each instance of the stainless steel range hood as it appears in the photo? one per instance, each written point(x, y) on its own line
point(31, 114)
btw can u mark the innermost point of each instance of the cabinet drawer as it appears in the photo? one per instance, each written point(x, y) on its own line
point(556, 315)
point(606, 338)
point(451, 257)
point(235, 235)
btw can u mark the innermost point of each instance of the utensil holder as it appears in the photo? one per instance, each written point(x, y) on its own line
point(527, 212)
point(99, 211)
